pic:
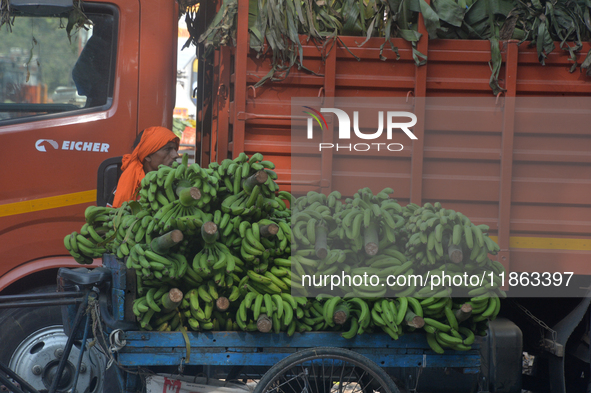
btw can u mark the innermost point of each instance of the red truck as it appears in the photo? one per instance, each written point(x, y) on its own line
point(52, 150)
point(530, 187)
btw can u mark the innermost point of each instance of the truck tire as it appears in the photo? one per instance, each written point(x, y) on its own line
point(32, 342)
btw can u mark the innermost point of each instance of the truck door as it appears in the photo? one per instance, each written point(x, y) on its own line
point(66, 105)
point(68, 101)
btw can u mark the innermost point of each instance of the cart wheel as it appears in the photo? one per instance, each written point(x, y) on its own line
point(325, 370)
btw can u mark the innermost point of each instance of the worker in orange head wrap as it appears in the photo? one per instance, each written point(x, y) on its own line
point(158, 146)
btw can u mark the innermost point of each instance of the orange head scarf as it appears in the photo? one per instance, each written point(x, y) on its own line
point(153, 139)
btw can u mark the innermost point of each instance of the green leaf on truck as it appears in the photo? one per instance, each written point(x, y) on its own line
point(450, 12)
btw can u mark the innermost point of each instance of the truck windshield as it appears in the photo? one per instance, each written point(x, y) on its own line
point(42, 71)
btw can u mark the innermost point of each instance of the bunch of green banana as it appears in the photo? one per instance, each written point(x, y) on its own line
point(389, 262)
point(251, 183)
point(131, 229)
point(395, 316)
point(151, 264)
point(85, 248)
point(228, 220)
point(301, 265)
point(98, 215)
point(437, 281)
point(274, 234)
point(438, 339)
point(268, 282)
point(437, 235)
point(94, 237)
point(200, 307)
point(191, 225)
point(227, 227)
point(190, 185)
point(156, 310)
point(124, 224)
point(369, 222)
point(441, 334)
point(224, 321)
point(333, 313)
point(312, 200)
point(215, 260)
point(231, 173)
point(279, 309)
point(311, 228)
point(167, 216)
point(261, 242)
point(196, 310)
point(305, 262)
point(360, 320)
point(452, 323)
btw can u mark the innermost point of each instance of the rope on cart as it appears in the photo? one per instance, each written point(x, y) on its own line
point(116, 343)
point(99, 335)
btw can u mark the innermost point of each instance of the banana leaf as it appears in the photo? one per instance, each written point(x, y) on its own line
point(449, 11)
point(477, 13)
point(430, 17)
point(275, 26)
point(350, 13)
point(586, 65)
point(495, 53)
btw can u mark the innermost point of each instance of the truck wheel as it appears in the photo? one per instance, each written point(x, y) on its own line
point(32, 343)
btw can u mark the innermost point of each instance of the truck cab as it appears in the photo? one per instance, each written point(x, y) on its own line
point(76, 87)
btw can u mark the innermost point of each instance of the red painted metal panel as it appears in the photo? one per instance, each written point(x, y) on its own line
point(157, 73)
point(509, 170)
point(238, 134)
point(506, 177)
point(30, 174)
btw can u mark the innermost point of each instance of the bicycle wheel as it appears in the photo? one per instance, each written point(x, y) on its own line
point(326, 370)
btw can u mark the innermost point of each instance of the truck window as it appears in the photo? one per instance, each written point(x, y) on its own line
point(42, 72)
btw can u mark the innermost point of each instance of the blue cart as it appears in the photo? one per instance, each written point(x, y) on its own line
point(98, 302)
point(317, 361)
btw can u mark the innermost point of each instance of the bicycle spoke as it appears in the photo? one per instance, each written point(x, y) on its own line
point(315, 377)
point(296, 377)
point(350, 375)
point(307, 379)
point(322, 372)
point(325, 382)
point(359, 381)
point(340, 380)
point(331, 375)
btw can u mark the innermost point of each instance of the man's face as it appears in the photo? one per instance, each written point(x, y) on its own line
point(165, 156)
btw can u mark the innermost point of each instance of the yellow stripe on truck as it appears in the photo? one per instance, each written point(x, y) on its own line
point(76, 198)
point(548, 243)
point(33, 205)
